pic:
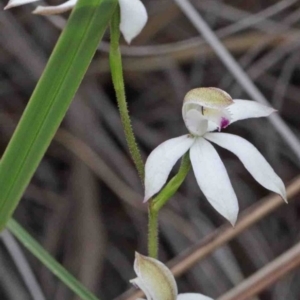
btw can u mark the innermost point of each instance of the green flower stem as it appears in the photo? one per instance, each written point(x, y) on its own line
point(40, 253)
point(51, 99)
point(160, 200)
point(152, 231)
point(115, 60)
point(173, 185)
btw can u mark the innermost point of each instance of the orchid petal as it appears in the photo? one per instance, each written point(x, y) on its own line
point(154, 278)
point(52, 10)
point(192, 296)
point(161, 161)
point(245, 109)
point(13, 3)
point(253, 161)
point(133, 18)
point(213, 179)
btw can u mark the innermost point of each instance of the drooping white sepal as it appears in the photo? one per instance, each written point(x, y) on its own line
point(13, 3)
point(52, 10)
point(161, 161)
point(213, 179)
point(192, 296)
point(245, 109)
point(251, 158)
point(133, 18)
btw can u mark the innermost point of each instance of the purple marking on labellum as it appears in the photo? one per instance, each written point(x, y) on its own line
point(224, 123)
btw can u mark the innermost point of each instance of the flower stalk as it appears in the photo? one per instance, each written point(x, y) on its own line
point(160, 200)
point(115, 60)
point(153, 241)
point(173, 185)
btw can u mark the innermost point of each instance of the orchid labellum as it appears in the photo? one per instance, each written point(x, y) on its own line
point(205, 110)
point(157, 281)
point(133, 14)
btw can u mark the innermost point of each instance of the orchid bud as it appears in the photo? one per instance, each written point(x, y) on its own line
point(157, 281)
point(154, 278)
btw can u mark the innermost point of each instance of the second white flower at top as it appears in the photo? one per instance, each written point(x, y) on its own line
point(133, 14)
point(205, 110)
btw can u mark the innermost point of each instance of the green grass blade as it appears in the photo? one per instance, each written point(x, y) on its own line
point(51, 99)
point(40, 253)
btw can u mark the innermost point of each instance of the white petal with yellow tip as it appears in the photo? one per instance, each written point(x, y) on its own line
point(154, 278)
point(208, 97)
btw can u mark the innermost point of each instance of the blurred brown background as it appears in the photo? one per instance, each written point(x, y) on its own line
point(85, 202)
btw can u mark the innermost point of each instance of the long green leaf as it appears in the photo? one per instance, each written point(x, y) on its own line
point(51, 99)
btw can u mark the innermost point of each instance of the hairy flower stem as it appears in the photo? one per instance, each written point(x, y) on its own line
point(173, 185)
point(115, 60)
point(152, 231)
point(156, 204)
point(160, 200)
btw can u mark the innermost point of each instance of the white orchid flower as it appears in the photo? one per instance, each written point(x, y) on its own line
point(157, 281)
point(133, 14)
point(205, 110)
